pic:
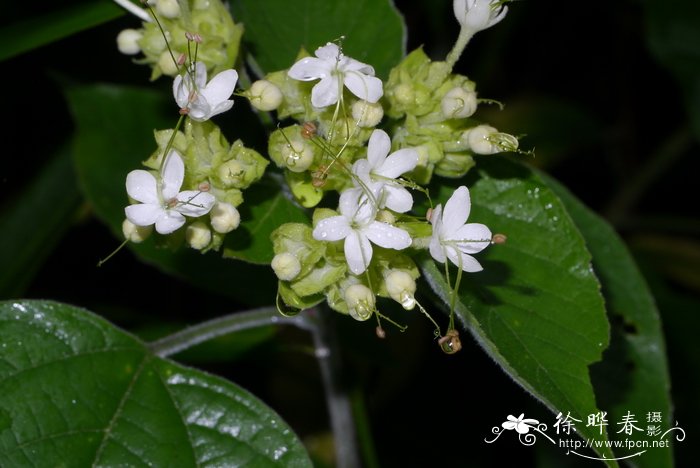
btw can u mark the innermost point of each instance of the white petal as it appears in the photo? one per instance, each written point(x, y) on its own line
point(387, 236)
point(467, 262)
point(349, 202)
point(169, 221)
point(378, 148)
point(329, 52)
point(173, 175)
point(358, 252)
point(220, 108)
point(200, 75)
point(460, 9)
point(325, 92)
point(509, 425)
point(143, 214)
point(181, 92)
point(199, 109)
point(522, 428)
point(398, 162)
point(332, 229)
point(363, 86)
point(436, 250)
point(472, 237)
point(456, 211)
point(361, 170)
point(220, 88)
point(309, 69)
point(194, 203)
point(350, 64)
point(397, 198)
point(142, 186)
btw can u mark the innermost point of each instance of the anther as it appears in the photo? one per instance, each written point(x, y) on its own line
point(499, 239)
point(308, 130)
point(450, 343)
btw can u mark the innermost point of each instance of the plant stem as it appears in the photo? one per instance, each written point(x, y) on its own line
point(337, 397)
point(326, 351)
point(211, 329)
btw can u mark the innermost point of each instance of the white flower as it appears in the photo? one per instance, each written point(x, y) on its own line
point(378, 171)
point(453, 237)
point(522, 426)
point(332, 67)
point(477, 15)
point(161, 202)
point(201, 99)
point(358, 226)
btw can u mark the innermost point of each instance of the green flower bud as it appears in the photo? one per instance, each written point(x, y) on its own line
point(224, 217)
point(360, 300)
point(264, 95)
point(386, 216)
point(401, 287)
point(168, 8)
point(166, 64)
point(288, 149)
point(458, 103)
point(134, 233)
point(455, 165)
point(128, 41)
point(198, 235)
point(367, 114)
point(286, 266)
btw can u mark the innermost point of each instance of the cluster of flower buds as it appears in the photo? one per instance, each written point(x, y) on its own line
point(166, 37)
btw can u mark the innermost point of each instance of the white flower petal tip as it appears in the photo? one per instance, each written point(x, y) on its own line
point(201, 100)
point(160, 201)
point(331, 66)
point(477, 15)
point(455, 239)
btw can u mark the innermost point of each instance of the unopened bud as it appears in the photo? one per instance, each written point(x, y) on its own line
point(401, 288)
point(224, 217)
point(286, 266)
point(231, 173)
point(166, 64)
point(458, 103)
point(168, 8)
point(386, 216)
point(198, 235)
point(265, 96)
point(128, 41)
point(367, 114)
point(485, 139)
point(134, 233)
point(360, 300)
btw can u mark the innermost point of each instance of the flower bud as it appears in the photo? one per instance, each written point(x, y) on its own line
point(386, 216)
point(265, 96)
point(367, 114)
point(286, 266)
point(224, 217)
point(401, 288)
point(485, 139)
point(198, 235)
point(168, 8)
point(231, 173)
point(166, 64)
point(360, 301)
point(455, 165)
point(458, 103)
point(134, 233)
point(128, 41)
point(288, 148)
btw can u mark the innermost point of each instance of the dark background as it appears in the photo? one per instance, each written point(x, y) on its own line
point(606, 112)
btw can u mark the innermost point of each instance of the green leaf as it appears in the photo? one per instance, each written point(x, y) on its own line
point(633, 375)
point(536, 308)
point(76, 391)
point(276, 30)
point(266, 208)
point(35, 223)
point(114, 134)
point(52, 26)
